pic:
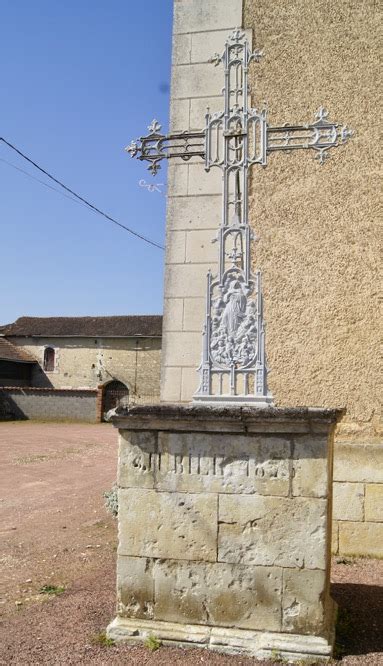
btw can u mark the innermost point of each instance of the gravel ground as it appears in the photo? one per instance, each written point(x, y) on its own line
point(55, 532)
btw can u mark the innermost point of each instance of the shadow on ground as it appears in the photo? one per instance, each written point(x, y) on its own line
point(360, 618)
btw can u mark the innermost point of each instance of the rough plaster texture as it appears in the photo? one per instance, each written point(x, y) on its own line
point(319, 235)
point(89, 362)
point(318, 226)
point(218, 530)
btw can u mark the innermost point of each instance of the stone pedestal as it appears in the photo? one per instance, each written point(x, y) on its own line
point(224, 528)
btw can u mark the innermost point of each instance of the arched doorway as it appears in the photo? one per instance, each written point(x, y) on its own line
point(115, 393)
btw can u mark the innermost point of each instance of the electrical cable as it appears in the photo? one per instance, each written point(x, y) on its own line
point(77, 196)
point(26, 173)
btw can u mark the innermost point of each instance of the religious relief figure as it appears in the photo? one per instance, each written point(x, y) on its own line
point(234, 323)
point(234, 310)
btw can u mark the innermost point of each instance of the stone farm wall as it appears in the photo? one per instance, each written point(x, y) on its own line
point(89, 362)
point(48, 404)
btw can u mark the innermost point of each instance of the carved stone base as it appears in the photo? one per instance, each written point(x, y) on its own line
point(224, 528)
point(259, 644)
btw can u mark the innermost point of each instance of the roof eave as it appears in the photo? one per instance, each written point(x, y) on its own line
point(65, 335)
point(13, 360)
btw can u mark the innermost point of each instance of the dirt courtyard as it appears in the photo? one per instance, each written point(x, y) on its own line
point(58, 551)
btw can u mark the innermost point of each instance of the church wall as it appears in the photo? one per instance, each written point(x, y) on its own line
point(194, 197)
point(90, 362)
point(317, 227)
point(319, 244)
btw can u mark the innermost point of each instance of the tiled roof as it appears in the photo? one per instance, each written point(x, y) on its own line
point(120, 326)
point(9, 352)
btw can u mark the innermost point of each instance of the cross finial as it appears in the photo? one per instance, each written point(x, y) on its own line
point(154, 126)
point(132, 149)
point(237, 35)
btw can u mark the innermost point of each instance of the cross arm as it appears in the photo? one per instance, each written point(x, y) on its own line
point(320, 136)
point(156, 146)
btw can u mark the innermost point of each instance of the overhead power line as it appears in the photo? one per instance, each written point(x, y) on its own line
point(74, 194)
point(42, 182)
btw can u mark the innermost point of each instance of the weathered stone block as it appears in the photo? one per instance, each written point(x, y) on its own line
point(167, 525)
point(181, 49)
point(361, 539)
point(179, 115)
point(201, 183)
point(219, 594)
point(182, 348)
point(310, 466)
point(178, 179)
point(348, 500)
point(374, 502)
point(189, 383)
point(211, 463)
point(334, 537)
point(200, 247)
point(272, 531)
point(193, 314)
point(173, 314)
point(194, 213)
point(358, 462)
point(195, 81)
point(198, 109)
point(136, 459)
point(176, 250)
point(212, 15)
point(171, 384)
point(135, 587)
point(259, 644)
point(222, 464)
point(183, 281)
point(303, 595)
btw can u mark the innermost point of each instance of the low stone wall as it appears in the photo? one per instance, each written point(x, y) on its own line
point(48, 404)
point(358, 496)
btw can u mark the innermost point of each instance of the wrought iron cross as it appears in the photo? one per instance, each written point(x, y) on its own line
point(233, 366)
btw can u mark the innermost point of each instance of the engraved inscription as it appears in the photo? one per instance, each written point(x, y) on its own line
point(205, 465)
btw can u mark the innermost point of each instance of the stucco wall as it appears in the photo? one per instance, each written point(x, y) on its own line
point(89, 362)
point(319, 242)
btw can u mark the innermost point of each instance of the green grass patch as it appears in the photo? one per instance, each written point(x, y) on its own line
point(152, 643)
point(52, 590)
point(102, 639)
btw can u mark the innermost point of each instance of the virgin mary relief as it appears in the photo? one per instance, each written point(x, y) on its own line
point(234, 325)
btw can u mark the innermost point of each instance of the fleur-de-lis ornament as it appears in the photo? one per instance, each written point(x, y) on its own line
point(154, 127)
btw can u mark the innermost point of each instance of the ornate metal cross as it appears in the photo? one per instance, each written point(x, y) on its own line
point(233, 366)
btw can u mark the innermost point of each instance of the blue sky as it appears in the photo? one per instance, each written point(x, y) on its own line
point(80, 79)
